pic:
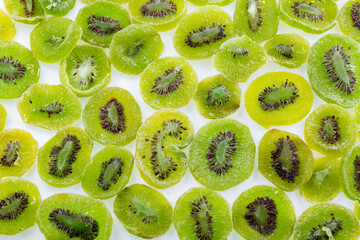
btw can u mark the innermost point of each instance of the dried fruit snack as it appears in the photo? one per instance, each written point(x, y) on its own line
point(3, 116)
point(349, 173)
point(25, 11)
point(7, 30)
point(349, 19)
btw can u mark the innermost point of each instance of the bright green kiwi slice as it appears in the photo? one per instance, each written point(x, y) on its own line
point(201, 213)
point(8, 29)
point(3, 116)
point(201, 3)
point(143, 211)
point(159, 142)
point(168, 82)
point(57, 7)
point(349, 19)
point(25, 11)
point(350, 173)
point(357, 209)
point(222, 154)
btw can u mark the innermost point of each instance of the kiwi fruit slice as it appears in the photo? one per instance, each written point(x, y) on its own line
point(327, 221)
point(25, 11)
point(324, 184)
point(114, 1)
point(100, 21)
point(349, 173)
point(357, 209)
point(3, 116)
point(19, 69)
point(49, 106)
point(238, 58)
point(201, 213)
point(17, 152)
point(264, 212)
point(168, 82)
point(289, 50)
point(86, 70)
point(201, 3)
point(330, 130)
point(54, 38)
point(112, 117)
point(108, 172)
point(159, 143)
point(19, 202)
point(349, 19)
point(258, 19)
point(57, 7)
point(222, 154)
point(278, 98)
point(163, 15)
point(7, 30)
point(200, 34)
point(312, 16)
point(67, 216)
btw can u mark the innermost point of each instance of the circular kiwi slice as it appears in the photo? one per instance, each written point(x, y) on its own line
point(327, 221)
point(200, 34)
point(86, 70)
point(19, 69)
point(163, 15)
point(201, 213)
point(143, 211)
point(201, 3)
point(348, 20)
point(57, 7)
point(17, 152)
point(278, 98)
point(25, 11)
point(285, 160)
point(289, 50)
point(3, 116)
point(67, 216)
point(7, 30)
point(19, 202)
point(54, 38)
point(108, 172)
point(100, 21)
point(324, 184)
point(222, 154)
point(330, 130)
point(134, 47)
point(350, 173)
point(112, 117)
point(238, 58)
point(257, 19)
point(168, 82)
point(49, 106)
point(159, 142)
point(264, 212)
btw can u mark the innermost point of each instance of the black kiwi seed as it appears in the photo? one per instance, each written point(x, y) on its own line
point(11, 69)
point(329, 130)
point(112, 116)
point(203, 220)
point(13, 205)
point(63, 156)
point(333, 225)
point(29, 7)
point(158, 8)
point(73, 224)
point(285, 50)
point(205, 35)
point(255, 19)
point(89, 78)
point(261, 215)
point(169, 82)
point(10, 154)
point(285, 159)
point(357, 172)
point(217, 95)
point(53, 108)
point(146, 213)
point(103, 25)
point(307, 10)
point(110, 173)
point(355, 14)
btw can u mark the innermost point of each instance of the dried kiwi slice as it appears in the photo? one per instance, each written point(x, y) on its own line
point(62, 160)
point(49, 106)
point(143, 211)
point(350, 173)
point(19, 69)
point(349, 17)
point(25, 11)
point(19, 202)
point(202, 3)
point(108, 172)
point(285, 160)
point(112, 117)
point(222, 154)
point(3, 116)
point(159, 141)
point(264, 212)
point(7, 30)
point(86, 70)
point(278, 98)
point(330, 130)
point(67, 216)
point(168, 82)
point(17, 152)
point(57, 7)
point(200, 34)
point(200, 214)
point(357, 209)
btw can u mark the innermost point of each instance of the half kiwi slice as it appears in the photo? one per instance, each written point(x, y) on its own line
point(25, 11)
point(3, 116)
point(8, 29)
point(349, 19)
point(350, 173)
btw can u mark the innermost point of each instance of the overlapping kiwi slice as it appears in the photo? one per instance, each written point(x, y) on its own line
point(57, 7)
point(112, 117)
point(222, 154)
point(3, 116)
point(19, 69)
point(168, 82)
point(49, 106)
point(159, 143)
point(278, 98)
point(67, 216)
point(264, 212)
point(349, 17)
point(54, 38)
point(350, 173)
point(202, 3)
point(19, 202)
point(327, 221)
point(7, 30)
point(25, 11)
point(200, 34)
point(238, 58)
point(201, 213)
point(108, 172)
point(330, 130)
point(86, 70)
point(143, 211)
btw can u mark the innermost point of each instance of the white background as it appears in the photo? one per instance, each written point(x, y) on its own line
point(204, 68)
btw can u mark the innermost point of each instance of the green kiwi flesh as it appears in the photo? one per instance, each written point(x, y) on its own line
point(57, 7)
point(3, 116)
point(349, 173)
point(201, 3)
point(25, 11)
point(349, 19)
